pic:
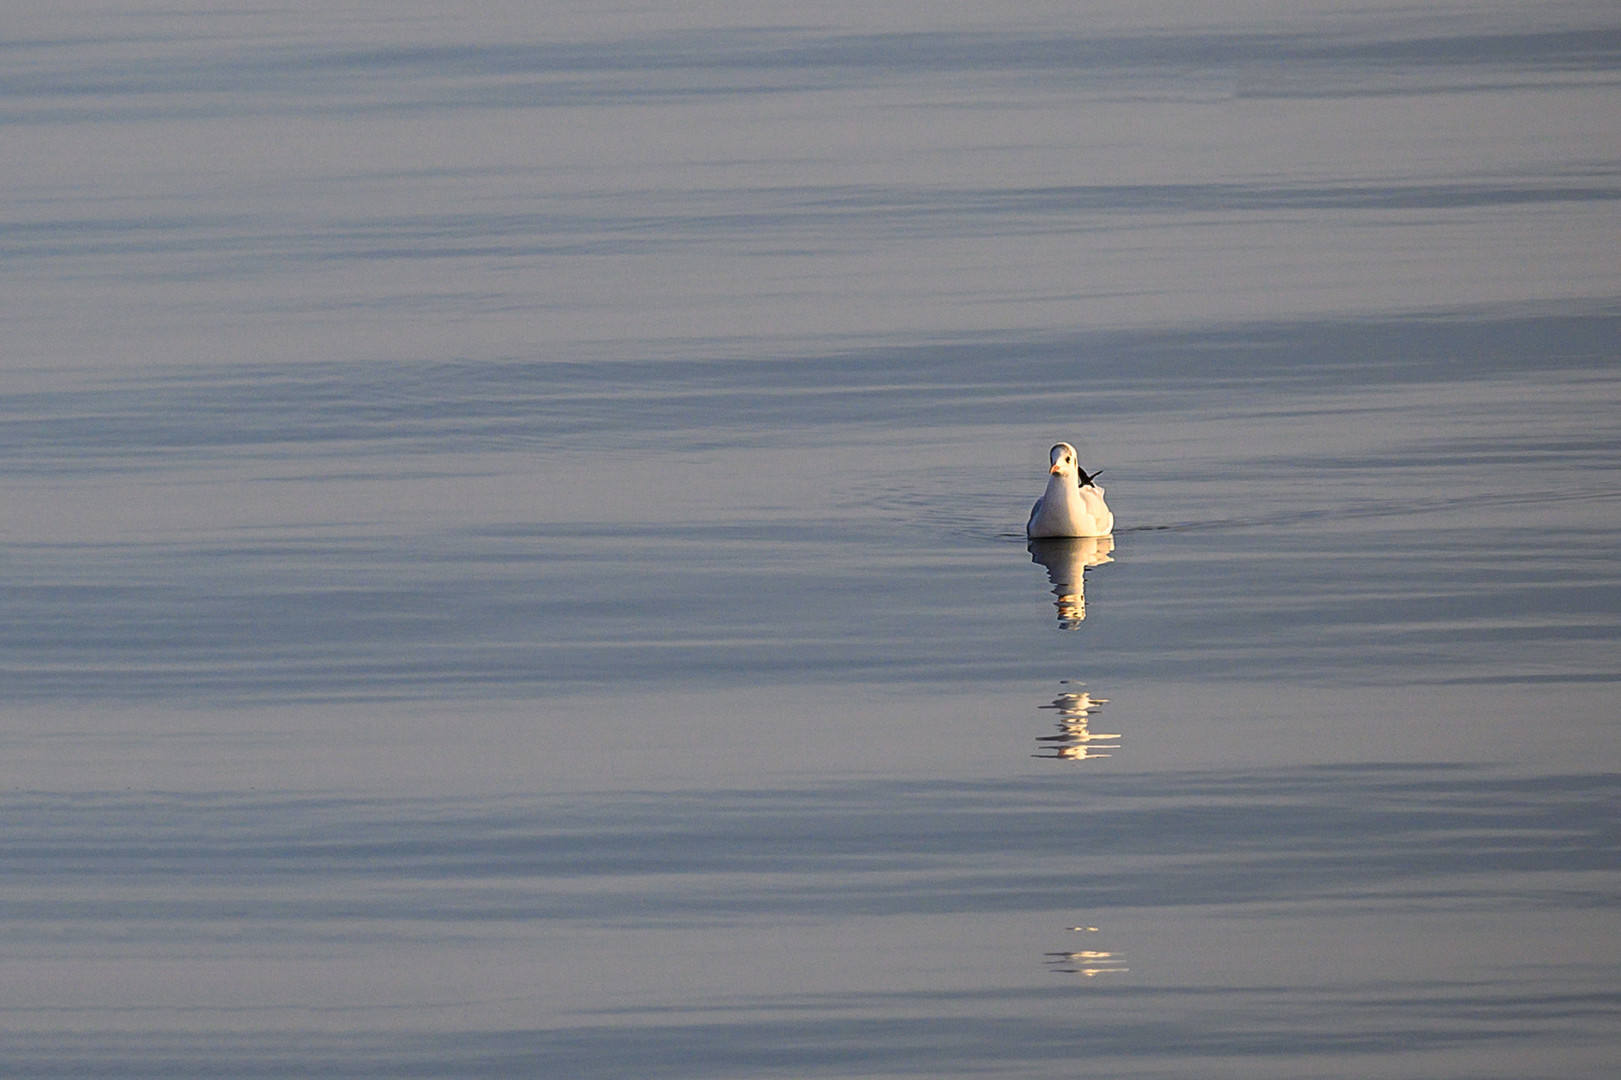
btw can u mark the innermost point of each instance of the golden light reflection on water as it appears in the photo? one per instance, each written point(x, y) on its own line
point(1067, 562)
point(1076, 741)
point(1088, 963)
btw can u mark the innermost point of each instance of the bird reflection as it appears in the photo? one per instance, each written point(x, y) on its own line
point(1089, 963)
point(1066, 561)
point(1076, 741)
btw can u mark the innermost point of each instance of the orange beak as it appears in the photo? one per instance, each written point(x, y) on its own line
point(1053, 471)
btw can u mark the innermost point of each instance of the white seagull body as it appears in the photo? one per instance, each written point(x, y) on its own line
point(1072, 505)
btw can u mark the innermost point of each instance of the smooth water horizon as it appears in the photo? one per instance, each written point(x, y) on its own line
point(514, 560)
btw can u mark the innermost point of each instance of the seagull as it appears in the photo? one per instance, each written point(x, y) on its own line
point(1073, 503)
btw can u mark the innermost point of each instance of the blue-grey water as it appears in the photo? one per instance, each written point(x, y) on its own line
point(511, 554)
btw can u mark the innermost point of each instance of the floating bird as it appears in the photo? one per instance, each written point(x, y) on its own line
point(1073, 503)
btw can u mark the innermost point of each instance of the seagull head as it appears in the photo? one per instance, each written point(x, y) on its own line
point(1063, 459)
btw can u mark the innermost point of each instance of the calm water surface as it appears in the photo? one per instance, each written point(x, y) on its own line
point(512, 561)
